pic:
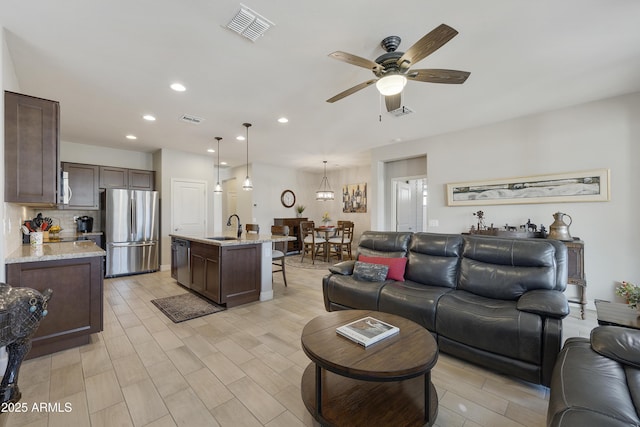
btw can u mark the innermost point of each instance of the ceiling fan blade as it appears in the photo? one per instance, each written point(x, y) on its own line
point(355, 60)
point(427, 45)
point(439, 76)
point(352, 90)
point(393, 102)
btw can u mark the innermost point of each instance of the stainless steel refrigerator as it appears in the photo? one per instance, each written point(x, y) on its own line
point(131, 222)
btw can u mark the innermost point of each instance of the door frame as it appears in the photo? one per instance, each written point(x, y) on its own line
point(206, 201)
point(394, 198)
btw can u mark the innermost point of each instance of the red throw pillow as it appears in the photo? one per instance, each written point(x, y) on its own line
point(396, 265)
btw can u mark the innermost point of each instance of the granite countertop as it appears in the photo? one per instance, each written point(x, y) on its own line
point(245, 239)
point(54, 252)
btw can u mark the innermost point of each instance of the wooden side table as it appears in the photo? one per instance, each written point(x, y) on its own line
point(616, 314)
point(576, 276)
point(389, 381)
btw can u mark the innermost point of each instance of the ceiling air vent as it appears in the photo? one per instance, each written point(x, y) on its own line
point(402, 111)
point(191, 119)
point(249, 24)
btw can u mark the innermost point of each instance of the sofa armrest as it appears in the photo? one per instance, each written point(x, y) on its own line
point(344, 268)
point(617, 343)
point(546, 303)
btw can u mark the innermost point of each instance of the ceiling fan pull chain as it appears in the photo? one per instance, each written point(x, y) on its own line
point(380, 109)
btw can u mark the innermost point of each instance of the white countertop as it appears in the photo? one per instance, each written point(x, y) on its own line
point(245, 239)
point(54, 251)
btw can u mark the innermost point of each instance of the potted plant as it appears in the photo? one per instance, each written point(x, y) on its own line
point(631, 294)
point(326, 218)
point(299, 210)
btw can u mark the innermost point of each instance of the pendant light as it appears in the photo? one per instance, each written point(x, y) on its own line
point(325, 192)
point(247, 185)
point(218, 188)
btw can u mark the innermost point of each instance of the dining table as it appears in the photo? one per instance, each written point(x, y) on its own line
point(325, 229)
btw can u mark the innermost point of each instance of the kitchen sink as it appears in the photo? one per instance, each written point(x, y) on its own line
point(222, 238)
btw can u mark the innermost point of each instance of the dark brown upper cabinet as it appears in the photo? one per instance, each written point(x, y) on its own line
point(83, 183)
point(133, 179)
point(31, 150)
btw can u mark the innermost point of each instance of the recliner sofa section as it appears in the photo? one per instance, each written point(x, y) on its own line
point(495, 302)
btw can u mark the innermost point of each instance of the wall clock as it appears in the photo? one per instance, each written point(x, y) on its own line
point(288, 198)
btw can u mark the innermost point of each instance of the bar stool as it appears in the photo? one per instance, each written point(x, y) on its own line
point(278, 256)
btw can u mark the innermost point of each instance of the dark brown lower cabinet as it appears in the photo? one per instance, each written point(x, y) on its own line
point(76, 306)
point(227, 275)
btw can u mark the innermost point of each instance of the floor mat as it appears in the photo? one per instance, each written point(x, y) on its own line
point(180, 308)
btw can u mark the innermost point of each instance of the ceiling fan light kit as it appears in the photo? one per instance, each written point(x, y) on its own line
point(391, 85)
point(393, 68)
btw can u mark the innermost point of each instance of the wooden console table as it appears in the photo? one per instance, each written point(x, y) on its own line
point(576, 276)
point(294, 230)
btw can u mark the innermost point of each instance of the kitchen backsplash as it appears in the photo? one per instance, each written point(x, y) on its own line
point(65, 218)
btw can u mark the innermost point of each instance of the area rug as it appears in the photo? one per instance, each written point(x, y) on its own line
point(180, 308)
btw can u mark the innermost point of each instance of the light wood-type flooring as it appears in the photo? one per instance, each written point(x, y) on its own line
point(240, 367)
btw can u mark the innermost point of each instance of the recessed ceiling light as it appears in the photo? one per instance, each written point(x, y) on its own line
point(149, 118)
point(223, 163)
point(178, 87)
point(240, 138)
point(210, 150)
point(283, 120)
point(131, 137)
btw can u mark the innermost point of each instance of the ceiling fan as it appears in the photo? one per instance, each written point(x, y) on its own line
point(392, 69)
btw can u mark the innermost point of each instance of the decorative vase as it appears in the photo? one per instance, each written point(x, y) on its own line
point(298, 214)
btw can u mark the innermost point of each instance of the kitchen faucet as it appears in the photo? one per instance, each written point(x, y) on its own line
point(239, 225)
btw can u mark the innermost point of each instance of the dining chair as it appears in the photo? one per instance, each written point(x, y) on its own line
point(342, 242)
point(278, 256)
point(310, 241)
point(252, 228)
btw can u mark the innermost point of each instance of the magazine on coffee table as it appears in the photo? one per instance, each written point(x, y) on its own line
point(367, 331)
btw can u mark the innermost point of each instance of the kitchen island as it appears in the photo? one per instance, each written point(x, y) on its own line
point(229, 270)
point(74, 271)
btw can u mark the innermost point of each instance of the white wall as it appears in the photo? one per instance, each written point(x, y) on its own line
point(171, 164)
point(602, 134)
point(103, 156)
point(11, 215)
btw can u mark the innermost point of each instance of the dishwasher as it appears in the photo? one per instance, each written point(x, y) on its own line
point(183, 252)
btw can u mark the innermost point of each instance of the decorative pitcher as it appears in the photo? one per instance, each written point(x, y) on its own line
point(559, 230)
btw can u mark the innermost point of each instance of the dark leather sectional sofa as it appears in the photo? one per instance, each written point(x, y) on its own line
point(495, 302)
point(596, 380)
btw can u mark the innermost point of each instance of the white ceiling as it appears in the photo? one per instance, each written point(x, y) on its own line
point(110, 62)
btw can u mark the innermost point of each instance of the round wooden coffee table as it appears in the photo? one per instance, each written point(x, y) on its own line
point(389, 381)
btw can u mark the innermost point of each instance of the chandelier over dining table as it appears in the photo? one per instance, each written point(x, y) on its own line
point(325, 192)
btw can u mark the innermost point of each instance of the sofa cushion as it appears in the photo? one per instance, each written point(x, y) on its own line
point(617, 343)
point(396, 265)
point(413, 301)
point(506, 268)
point(490, 324)
point(384, 243)
point(349, 292)
point(434, 259)
point(584, 381)
point(370, 272)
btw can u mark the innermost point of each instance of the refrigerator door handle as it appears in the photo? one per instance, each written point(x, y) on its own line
point(132, 244)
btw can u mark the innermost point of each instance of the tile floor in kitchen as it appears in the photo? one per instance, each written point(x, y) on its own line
point(240, 367)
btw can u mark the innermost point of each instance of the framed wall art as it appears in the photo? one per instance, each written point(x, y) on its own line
point(584, 186)
point(354, 198)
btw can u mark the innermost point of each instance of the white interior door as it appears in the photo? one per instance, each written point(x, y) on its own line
point(405, 214)
point(189, 207)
